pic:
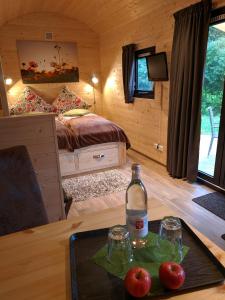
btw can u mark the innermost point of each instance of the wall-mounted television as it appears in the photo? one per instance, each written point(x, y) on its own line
point(157, 67)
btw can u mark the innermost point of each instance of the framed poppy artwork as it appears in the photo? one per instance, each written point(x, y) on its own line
point(47, 62)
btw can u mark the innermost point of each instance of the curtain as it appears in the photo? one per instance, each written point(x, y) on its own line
point(128, 68)
point(187, 65)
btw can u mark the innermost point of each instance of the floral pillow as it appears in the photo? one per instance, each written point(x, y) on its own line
point(67, 100)
point(29, 101)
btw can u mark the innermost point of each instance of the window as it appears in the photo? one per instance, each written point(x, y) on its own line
point(143, 87)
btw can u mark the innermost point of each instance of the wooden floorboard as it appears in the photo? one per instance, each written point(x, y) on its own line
point(175, 193)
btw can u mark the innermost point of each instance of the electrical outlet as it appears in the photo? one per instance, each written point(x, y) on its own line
point(155, 146)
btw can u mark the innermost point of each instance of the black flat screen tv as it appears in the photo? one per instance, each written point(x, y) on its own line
point(157, 67)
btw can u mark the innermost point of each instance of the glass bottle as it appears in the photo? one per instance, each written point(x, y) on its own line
point(136, 209)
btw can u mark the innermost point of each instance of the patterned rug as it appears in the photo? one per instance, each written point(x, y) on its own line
point(95, 185)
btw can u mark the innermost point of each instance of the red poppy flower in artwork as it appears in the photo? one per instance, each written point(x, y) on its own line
point(33, 64)
point(19, 109)
point(53, 64)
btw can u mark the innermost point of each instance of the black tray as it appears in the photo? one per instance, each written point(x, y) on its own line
point(90, 281)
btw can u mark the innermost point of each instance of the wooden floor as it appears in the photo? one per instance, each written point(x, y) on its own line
point(174, 193)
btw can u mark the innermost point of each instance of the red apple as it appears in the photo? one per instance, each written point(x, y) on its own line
point(138, 282)
point(171, 275)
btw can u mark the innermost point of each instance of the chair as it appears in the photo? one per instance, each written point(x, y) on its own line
point(214, 126)
point(21, 204)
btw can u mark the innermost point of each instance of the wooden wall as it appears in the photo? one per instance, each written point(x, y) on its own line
point(33, 27)
point(145, 121)
point(37, 133)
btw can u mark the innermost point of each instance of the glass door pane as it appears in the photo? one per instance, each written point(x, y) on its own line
point(212, 97)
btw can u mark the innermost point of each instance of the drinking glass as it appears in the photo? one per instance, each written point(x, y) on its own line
point(171, 230)
point(119, 245)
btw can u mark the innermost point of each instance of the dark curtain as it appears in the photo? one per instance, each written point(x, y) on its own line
point(187, 66)
point(128, 67)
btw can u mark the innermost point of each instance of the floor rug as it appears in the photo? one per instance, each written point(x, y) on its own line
point(214, 202)
point(95, 185)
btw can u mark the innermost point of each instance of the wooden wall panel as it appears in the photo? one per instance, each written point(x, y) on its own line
point(37, 133)
point(4, 110)
point(33, 27)
point(145, 121)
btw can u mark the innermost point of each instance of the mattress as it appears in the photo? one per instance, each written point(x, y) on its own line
point(78, 132)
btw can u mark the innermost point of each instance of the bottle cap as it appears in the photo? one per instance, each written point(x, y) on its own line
point(136, 167)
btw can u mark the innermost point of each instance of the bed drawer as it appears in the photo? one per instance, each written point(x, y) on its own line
point(91, 158)
point(98, 158)
point(67, 163)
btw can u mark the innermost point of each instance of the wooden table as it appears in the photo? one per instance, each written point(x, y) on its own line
point(34, 264)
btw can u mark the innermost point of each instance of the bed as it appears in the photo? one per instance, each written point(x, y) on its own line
point(89, 143)
point(86, 142)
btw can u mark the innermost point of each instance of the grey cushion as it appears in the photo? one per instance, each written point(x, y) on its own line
point(21, 204)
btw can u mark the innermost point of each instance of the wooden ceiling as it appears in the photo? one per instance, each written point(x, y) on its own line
point(99, 15)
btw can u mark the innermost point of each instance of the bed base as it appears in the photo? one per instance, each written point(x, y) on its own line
point(91, 159)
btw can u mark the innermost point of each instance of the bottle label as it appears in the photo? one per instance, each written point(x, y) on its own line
point(137, 226)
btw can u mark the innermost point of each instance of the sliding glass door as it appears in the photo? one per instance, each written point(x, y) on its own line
point(212, 145)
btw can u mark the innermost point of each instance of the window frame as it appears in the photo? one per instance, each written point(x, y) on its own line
point(140, 93)
point(217, 17)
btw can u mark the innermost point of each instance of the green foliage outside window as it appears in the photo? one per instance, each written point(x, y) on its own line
point(143, 83)
point(214, 74)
